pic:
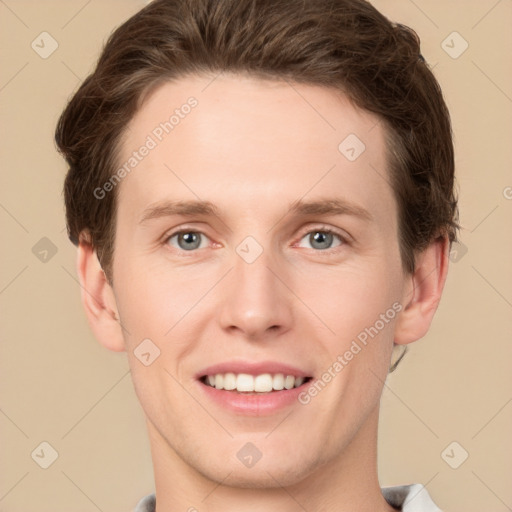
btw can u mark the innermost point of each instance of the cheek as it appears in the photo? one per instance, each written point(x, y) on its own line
point(350, 300)
point(162, 303)
point(361, 307)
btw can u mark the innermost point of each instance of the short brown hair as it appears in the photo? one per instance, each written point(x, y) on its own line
point(344, 44)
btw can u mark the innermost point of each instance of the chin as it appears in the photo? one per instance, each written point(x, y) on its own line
point(263, 475)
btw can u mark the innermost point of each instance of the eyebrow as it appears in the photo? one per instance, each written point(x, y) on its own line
point(329, 206)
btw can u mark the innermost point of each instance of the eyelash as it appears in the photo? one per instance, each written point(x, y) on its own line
point(320, 229)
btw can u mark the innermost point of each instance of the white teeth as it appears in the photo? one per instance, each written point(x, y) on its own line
point(263, 383)
point(278, 382)
point(289, 381)
point(229, 381)
point(219, 381)
point(246, 383)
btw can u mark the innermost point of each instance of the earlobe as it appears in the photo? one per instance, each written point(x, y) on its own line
point(424, 292)
point(98, 299)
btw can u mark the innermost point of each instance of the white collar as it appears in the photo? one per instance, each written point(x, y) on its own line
point(407, 498)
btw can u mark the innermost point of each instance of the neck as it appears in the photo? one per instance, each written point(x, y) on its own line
point(346, 483)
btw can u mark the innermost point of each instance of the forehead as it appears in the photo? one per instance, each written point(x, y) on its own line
point(241, 140)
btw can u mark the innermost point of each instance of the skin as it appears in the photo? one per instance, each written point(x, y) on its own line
point(253, 147)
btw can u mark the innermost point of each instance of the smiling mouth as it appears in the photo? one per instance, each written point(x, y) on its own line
point(253, 384)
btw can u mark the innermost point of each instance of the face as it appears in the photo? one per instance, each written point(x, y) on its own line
point(254, 244)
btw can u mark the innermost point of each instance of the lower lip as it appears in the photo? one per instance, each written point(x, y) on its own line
point(259, 404)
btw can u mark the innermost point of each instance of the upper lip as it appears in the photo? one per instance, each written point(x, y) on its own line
point(253, 368)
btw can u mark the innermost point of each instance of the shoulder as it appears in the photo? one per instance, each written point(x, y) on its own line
point(410, 498)
point(146, 504)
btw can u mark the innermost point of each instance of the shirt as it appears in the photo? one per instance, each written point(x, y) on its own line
point(407, 498)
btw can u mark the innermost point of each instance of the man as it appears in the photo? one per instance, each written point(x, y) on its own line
point(261, 193)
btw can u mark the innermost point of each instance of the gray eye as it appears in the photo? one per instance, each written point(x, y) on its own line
point(187, 240)
point(322, 239)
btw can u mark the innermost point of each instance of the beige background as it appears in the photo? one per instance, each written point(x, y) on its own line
point(60, 386)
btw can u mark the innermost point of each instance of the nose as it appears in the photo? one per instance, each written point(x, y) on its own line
point(257, 302)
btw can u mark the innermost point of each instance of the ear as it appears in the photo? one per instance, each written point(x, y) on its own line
point(423, 292)
point(98, 299)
